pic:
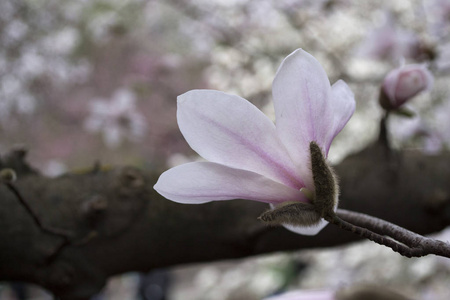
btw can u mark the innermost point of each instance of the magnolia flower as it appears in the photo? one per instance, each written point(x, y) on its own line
point(403, 83)
point(248, 156)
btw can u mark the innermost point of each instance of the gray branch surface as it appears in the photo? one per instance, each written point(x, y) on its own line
point(115, 222)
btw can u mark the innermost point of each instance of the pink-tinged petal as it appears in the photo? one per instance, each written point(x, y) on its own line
point(229, 130)
point(389, 84)
point(301, 95)
point(343, 106)
point(403, 83)
point(312, 230)
point(201, 182)
point(305, 295)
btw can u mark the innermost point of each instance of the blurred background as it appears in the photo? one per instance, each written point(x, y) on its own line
point(85, 81)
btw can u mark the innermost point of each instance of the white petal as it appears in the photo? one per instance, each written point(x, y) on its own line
point(304, 295)
point(301, 93)
point(201, 182)
point(312, 230)
point(343, 106)
point(229, 130)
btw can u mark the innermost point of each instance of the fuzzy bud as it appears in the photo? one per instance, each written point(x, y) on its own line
point(403, 83)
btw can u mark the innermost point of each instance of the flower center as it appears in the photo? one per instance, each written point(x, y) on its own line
point(308, 193)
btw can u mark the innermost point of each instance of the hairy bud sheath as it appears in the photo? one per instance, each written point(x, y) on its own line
point(325, 182)
point(323, 203)
point(292, 213)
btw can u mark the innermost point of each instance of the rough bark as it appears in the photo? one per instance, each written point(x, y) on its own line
point(115, 222)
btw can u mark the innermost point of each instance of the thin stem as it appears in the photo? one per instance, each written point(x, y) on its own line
point(375, 237)
point(392, 157)
point(380, 226)
point(399, 239)
point(383, 136)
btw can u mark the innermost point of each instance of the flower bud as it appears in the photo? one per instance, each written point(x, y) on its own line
point(403, 83)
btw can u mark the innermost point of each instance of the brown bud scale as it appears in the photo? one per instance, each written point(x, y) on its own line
point(325, 182)
point(292, 213)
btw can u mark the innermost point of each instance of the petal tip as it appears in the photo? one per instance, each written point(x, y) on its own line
point(310, 231)
point(183, 97)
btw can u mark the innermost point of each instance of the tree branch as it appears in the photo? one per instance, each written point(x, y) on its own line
point(55, 231)
point(126, 226)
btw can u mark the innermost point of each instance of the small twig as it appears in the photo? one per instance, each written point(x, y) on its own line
point(380, 226)
point(383, 136)
point(392, 156)
point(375, 237)
point(409, 238)
point(399, 239)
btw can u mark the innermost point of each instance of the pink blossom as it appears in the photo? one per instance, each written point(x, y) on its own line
point(117, 118)
point(403, 83)
point(248, 156)
point(389, 42)
point(430, 140)
point(438, 16)
point(443, 58)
